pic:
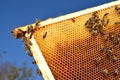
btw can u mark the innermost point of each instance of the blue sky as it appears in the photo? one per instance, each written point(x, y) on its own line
point(15, 13)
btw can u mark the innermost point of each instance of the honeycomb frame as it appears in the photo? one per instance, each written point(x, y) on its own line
point(68, 50)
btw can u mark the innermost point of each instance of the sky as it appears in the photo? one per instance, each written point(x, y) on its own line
point(15, 13)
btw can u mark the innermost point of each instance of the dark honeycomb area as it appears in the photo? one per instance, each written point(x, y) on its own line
point(70, 50)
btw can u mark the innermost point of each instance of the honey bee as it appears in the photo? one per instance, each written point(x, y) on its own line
point(87, 22)
point(116, 72)
point(106, 38)
point(27, 43)
point(37, 23)
point(30, 31)
point(38, 72)
point(30, 54)
point(114, 58)
point(18, 33)
point(105, 21)
point(118, 38)
point(26, 48)
point(103, 49)
point(102, 32)
point(44, 35)
point(29, 28)
point(111, 35)
point(95, 17)
point(94, 14)
point(95, 26)
point(109, 51)
point(117, 22)
point(91, 21)
point(116, 41)
point(116, 8)
point(106, 14)
point(105, 72)
point(34, 62)
point(111, 48)
point(94, 32)
point(73, 20)
point(100, 29)
point(97, 60)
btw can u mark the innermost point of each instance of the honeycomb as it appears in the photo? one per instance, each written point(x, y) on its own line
point(71, 51)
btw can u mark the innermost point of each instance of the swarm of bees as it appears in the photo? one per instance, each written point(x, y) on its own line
point(96, 26)
point(26, 36)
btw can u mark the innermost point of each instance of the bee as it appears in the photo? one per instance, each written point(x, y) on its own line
point(26, 48)
point(44, 35)
point(109, 51)
point(106, 38)
point(97, 60)
point(27, 43)
point(111, 48)
point(38, 72)
point(94, 14)
point(117, 23)
point(91, 21)
point(116, 40)
point(103, 49)
point(102, 32)
point(100, 29)
point(30, 31)
point(18, 33)
point(114, 58)
point(94, 32)
point(87, 22)
point(73, 20)
point(37, 23)
point(95, 26)
point(116, 8)
point(106, 14)
point(105, 21)
point(105, 72)
point(111, 35)
point(30, 54)
point(34, 62)
point(116, 72)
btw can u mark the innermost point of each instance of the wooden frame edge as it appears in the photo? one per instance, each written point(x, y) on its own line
point(42, 64)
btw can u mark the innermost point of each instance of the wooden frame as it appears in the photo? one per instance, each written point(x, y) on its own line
point(42, 64)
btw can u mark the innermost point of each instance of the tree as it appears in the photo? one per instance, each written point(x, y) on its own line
point(8, 71)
